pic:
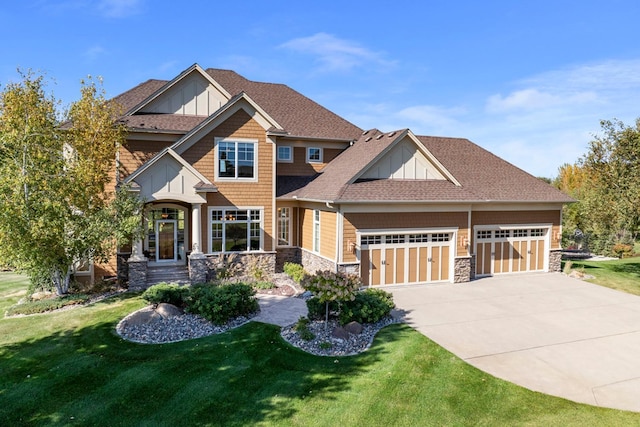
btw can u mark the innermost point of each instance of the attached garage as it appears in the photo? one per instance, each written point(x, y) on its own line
point(395, 259)
point(504, 249)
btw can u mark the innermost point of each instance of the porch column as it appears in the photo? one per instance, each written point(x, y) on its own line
point(198, 263)
point(196, 229)
point(137, 252)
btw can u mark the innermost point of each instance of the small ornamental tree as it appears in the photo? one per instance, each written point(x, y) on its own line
point(328, 286)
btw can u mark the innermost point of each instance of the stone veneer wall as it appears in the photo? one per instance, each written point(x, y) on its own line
point(239, 264)
point(555, 260)
point(137, 275)
point(462, 270)
point(284, 255)
point(312, 263)
point(198, 268)
point(353, 268)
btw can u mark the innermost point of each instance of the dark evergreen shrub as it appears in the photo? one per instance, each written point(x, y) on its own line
point(170, 293)
point(220, 304)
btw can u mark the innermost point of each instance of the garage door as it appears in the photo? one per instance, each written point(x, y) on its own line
point(393, 259)
point(515, 250)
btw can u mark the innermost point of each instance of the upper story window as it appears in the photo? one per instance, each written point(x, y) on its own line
point(314, 155)
point(236, 159)
point(284, 153)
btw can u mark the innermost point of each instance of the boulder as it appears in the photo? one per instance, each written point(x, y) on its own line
point(354, 328)
point(340, 333)
point(168, 310)
point(142, 317)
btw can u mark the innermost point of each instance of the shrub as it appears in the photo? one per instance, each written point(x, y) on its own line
point(317, 308)
point(221, 303)
point(257, 267)
point(302, 328)
point(44, 305)
point(369, 306)
point(167, 293)
point(263, 285)
point(295, 271)
point(622, 250)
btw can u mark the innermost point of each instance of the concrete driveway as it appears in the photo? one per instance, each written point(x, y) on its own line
point(545, 331)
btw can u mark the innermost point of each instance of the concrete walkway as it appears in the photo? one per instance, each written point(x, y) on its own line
point(546, 332)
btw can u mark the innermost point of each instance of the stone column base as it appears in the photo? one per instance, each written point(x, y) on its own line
point(198, 268)
point(137, 274)
point(462, 270)
point(555, 260)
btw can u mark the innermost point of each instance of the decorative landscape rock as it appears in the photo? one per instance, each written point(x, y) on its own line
point(354, 328)
point(142, 317)
point(340, 333)
point(168, 310)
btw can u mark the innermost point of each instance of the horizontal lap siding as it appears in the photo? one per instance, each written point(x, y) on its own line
point(520, 217)
point(328, 234)
point(256, 194)
point(409, 220)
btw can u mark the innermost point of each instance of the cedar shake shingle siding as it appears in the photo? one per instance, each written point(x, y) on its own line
point(245, 194)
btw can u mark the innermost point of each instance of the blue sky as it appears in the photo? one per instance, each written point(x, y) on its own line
point(528, 80)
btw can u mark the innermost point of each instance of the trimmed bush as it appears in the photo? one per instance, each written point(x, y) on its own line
point(221, 303)
point(170, 293)
point(369, 306)
point(295, 271)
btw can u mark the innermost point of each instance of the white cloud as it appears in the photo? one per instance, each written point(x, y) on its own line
point(534, 99)
point(336, 54)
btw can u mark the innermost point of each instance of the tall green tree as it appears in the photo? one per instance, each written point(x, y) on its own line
point(571, 181)
point(55, 169)
point(611, 195)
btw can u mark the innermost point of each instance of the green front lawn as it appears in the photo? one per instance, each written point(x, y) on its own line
point(70, 368)
point(622, 274)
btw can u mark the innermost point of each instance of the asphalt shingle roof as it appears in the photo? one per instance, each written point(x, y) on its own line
point(482, 176)
point(297, 114)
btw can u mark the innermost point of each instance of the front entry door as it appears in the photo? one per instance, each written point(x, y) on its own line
point(167, 238)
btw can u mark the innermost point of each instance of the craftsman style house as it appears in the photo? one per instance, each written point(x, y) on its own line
point(231, 166)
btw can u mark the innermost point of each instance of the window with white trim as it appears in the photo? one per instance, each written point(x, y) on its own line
point(483, 234)
point(520, 233)
point(236, 159)
point(503, 234)
point(537, 232)
point(314, 155)
point(284, 153)
point(235, 230)
point(316, 231)
point(370, 240)
point(284, 226)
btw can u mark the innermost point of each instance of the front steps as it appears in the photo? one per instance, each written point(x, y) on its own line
point(168, 274)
